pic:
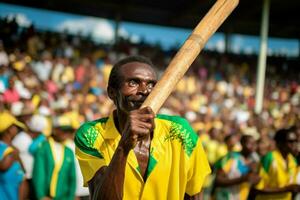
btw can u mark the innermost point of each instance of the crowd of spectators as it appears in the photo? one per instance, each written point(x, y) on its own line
point(54, 75)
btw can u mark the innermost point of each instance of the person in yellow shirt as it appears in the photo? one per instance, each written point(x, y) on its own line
point(135, 154)
point(278, 169)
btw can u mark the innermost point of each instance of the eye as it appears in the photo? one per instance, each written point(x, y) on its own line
point(132, 83)
point(150, 85)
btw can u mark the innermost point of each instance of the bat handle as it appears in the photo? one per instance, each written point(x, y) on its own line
point(188, 52)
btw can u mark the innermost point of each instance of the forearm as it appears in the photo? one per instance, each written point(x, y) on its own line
point(109, 185)
point(270, 190)
point(23, 190)
point(223, 182)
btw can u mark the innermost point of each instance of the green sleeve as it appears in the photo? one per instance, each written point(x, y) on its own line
point(85, 137)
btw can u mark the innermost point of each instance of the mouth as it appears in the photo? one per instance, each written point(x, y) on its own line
point(137, 104)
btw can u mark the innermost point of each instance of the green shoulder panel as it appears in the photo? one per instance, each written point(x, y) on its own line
point(182, 131)
point(266, 161)
point(86, 136)
point(221, 162)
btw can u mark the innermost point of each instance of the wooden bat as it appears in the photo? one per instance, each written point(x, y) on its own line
point(188, 52)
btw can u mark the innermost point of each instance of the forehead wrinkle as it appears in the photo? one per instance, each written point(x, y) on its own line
point(138, 70)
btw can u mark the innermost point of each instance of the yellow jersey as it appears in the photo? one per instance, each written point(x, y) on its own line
point(177, 162)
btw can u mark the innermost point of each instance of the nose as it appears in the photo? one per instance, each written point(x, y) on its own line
point(143, 89)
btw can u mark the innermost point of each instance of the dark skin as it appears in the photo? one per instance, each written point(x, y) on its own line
point(135, 125)
point(285, 147)
point(8, 160)
point(222, 179)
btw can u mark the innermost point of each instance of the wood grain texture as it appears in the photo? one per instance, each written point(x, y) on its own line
point(188, 52)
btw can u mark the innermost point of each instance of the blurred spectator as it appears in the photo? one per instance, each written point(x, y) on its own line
point(81, 193)
point(3, 56)
point(11, 95)
point(54, 168)
point(12, 177)
point(237, 171)
point(278, 169)
point(27, 142)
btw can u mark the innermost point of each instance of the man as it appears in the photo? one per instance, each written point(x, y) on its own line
point(236, 171)
point(27, 143)
point(278, 169)
point(82, 193)
point(134, 154)
point(54, 168)
point(12, 177)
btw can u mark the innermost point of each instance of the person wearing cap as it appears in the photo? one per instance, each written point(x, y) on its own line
point(12, 177)
point(27, 143)
point(54, 168)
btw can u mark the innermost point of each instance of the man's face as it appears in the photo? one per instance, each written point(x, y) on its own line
point(138, 80)
point(60, 135)
point(250, 145)
point(291, 142)
point(13, 131)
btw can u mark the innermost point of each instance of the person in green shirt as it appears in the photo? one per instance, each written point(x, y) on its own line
point(54, 168)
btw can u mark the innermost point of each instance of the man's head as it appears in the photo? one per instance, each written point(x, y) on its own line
point(286, 140)
point(62, 128)
point(248, 144)
point(231, 141)
point(130, 82)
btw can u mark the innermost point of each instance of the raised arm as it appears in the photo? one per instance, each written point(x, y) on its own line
point(108, 181)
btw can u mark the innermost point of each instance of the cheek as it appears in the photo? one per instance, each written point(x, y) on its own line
point(13, 130)
point(127, 91)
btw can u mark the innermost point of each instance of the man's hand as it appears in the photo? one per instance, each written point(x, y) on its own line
point(253, 178)
point(139, 125)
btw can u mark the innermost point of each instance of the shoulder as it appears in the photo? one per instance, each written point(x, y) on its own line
point(180, 130)
point(87, 134)
point(172, 118)
point(43, 146)
point(224, 159)
point(266, 161)
point(5, 150)
point(68, 151)
point(177, 122)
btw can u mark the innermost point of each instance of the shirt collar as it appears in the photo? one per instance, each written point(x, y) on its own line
point(111, 131)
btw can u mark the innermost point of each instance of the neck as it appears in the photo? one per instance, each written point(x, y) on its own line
point(246, 154)
point(283, 153)
point(120, 120)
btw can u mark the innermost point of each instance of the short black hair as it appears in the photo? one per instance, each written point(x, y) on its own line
point(281, 135)
point(245, 138)
point(115, 77)
point(228, 137)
